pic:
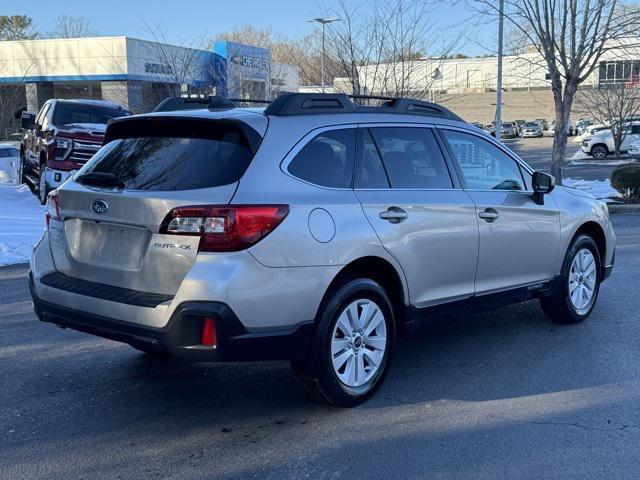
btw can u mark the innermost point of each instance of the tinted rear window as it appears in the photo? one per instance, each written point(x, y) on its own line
point(185, 161)
point(70, 113)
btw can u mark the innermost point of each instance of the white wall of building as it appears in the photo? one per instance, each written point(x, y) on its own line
point(63, 58)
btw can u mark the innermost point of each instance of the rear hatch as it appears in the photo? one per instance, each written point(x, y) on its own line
point(112, 210)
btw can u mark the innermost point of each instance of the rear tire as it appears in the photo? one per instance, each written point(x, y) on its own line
point(352, 346)
point(579, 283)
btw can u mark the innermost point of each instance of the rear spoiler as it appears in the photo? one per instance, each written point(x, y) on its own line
point(212, 102)
point(176, 126)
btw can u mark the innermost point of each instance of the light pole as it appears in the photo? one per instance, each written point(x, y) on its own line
point(499, 82)
point(323, 22)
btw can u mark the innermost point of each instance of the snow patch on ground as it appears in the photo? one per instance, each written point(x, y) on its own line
point(580, 158)
point(601, 189)
point(21, 218)
point(579, 155)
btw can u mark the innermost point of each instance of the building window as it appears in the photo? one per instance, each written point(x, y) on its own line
point(619, 71)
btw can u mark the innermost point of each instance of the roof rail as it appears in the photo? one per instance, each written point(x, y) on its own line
point(310, 103)
point(213, 102)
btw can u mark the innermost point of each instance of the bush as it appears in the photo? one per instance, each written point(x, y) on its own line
point(626, 180)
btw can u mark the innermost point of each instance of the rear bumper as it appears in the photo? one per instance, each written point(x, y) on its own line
point(181, 335)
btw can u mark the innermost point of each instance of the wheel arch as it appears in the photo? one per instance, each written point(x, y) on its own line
point(380, 270)
point(595, 231)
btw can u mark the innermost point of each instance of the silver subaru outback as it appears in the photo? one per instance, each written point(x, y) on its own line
point(315, 230)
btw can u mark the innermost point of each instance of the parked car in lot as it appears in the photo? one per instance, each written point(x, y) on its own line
point(314, 231)
point(13, 138)
point(634, 149)
point(582, 124)
point(490, 128)
point(9, 162)
point(552, 129)
point(601, 143)
point(509, 130)
point(542, 122)
point(61, 138)
point(531, 129)
point(594, 128)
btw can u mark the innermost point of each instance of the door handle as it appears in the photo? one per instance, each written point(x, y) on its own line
point(489, 214)
point(393, 215)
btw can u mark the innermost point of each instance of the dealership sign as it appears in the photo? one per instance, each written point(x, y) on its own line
point(158, 68)
point(249, 61)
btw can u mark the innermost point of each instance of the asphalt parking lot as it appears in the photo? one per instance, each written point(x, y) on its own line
point(537, 153)
point(501, 395)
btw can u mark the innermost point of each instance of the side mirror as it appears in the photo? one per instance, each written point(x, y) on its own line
point(28, 120)
point(543, 183)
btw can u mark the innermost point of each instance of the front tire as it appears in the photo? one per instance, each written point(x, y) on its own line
point(599, 151)
point(43, 186)
point(352, 346)
point(579, 283)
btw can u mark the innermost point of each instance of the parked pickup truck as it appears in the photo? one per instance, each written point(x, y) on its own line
point(61, 138)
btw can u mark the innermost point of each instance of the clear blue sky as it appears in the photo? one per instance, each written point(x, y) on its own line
point(203, 19)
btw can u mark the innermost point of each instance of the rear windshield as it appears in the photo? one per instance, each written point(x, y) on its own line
point(183, 160)
point(71, 113)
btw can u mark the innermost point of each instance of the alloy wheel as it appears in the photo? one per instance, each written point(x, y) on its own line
point(358, 343)
point(582, 281)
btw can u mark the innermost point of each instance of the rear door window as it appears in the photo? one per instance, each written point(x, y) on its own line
point(412, 157)
point(370, 172)
point(173, 155)
point(327, 160)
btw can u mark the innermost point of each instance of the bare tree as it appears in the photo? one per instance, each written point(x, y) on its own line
point(174, 66)
point(381, 47)
point(12, 96)
point(72, 27)
point(12, 102)
point(16, 27)
point(614, 104)
point(571, 36)
point(302, 52)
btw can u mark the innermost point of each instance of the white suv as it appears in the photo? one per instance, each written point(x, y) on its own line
point(601, 143)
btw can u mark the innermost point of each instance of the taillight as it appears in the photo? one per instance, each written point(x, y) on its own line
point(52, 209)
point(224, 228)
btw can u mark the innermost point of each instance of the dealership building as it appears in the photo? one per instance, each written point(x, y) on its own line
point(136, 73)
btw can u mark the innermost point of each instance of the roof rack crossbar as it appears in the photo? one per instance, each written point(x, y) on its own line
point(307, 103)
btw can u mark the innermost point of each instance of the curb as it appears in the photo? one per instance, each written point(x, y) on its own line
point(623, 208)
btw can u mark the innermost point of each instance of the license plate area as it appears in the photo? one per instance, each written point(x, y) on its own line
point(106, 244)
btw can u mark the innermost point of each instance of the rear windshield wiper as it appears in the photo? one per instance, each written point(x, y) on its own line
point(100, 179)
